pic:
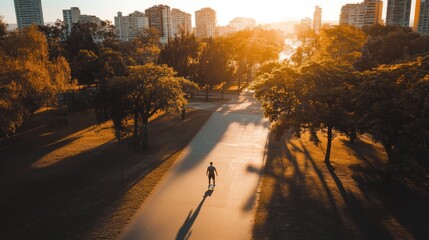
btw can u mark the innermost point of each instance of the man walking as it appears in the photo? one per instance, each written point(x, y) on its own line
point(211, 170)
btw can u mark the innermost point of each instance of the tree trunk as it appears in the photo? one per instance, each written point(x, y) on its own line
point(136, 130)
point(207, 93)
point(145, 132)
point(328, 146)
point(121, 158)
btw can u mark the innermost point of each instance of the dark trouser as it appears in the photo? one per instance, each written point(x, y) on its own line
point(212, 177)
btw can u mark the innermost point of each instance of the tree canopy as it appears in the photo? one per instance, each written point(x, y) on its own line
point(28, 79)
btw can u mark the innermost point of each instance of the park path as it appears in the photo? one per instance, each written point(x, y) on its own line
point(180, 207)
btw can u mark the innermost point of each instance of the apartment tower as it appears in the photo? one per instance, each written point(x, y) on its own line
point(160, 18)
point(70, 17)
point(240, 23)
point(362, 14)
point(422, 14)
point(398, 12)
point(317, 19)
point(128, 27)
point(182, 21)
point(205, 23)
point(28, 12)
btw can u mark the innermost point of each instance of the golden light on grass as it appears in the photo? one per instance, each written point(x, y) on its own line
point(74, 144)
point(298, 191)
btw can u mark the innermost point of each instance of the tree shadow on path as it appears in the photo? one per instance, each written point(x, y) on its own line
point(184, 231)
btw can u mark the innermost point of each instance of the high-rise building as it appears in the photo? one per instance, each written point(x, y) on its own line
point(317, 19)
point(28, 12)
point(362, 14)
point(127, 27)
point(182, 21)
point(398, 12)
point(160, 18)
point(205, 23)
point(240, 23)
point(70, 17)
point(373, 12)
point(422, 7)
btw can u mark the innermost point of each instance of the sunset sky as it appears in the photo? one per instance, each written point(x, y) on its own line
point(264, 11)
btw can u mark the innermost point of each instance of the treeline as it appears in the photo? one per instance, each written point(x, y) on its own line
point(127, 82)
point(350, 81)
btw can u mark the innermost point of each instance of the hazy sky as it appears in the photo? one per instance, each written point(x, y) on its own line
point(262, 10)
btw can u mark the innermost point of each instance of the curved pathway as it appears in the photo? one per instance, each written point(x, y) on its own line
point(180, 207)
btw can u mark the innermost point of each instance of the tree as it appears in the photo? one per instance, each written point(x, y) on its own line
point(311, 99)
point(54, 35)
point(310, 45)
point(181, 53)
point(86, 67)
point(214, 65)
point(251, 47)
point(389, 44)
point(113, 64)
point(342, 44)
point(145, 47)
point(81, 38)
point(392, 105)
point(146, 90)
point(28, 79)
point(3, 29)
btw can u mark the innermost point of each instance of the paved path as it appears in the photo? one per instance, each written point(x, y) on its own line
point(180, 207)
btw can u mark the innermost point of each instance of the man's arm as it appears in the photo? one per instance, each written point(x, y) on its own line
point(215, 171)
point(207, 171)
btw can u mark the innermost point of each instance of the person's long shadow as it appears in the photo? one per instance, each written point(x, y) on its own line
point(184, 232)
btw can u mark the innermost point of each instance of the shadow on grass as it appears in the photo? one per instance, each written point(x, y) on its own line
point(310, 201)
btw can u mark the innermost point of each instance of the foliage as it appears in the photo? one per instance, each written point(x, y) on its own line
point(181, 53)
point(113, 63)
point(214, 65)
point(28, 79)
point(341, 44)
point(86, 67)
point(81, 38)
point(3, 28)
point(54, 36)
point(387, 44)
point(251, 47)
point(310, 99)
point(146, 90)
point(393, 106)
point(145, 47)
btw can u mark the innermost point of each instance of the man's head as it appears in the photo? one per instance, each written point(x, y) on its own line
point(211, 163)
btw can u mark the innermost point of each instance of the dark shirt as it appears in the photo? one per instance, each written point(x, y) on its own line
point(211, 170)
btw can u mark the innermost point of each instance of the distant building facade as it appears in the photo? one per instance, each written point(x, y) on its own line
point(239, 24)
point(362, 14)
point(205, 23)
point(181, 21)
point(224, 30)
point(28, 12)
point(422, 25)
point(398, 12)
point(70, 17)
point(127, 27)
point(317, 19)
point(160, 18)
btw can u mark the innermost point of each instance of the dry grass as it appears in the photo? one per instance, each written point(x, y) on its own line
point(303, 198)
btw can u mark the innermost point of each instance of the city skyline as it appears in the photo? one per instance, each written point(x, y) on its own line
point(262, 12)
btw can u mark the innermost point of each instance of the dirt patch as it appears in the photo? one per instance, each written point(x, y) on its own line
point(65, 183)
point(303, 198)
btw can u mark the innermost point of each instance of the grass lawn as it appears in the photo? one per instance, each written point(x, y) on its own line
point(65, 182)
point(301, 198)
